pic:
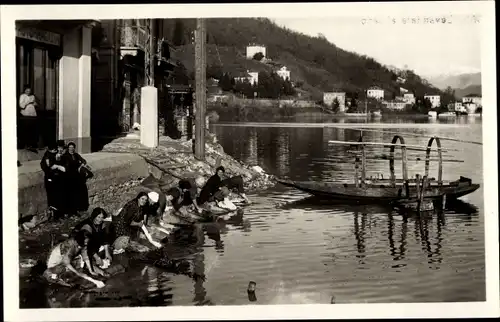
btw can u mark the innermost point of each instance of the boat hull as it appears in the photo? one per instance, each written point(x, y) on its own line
point(377, 193)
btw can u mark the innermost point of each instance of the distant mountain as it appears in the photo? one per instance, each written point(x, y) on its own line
point(459, 81)
point(472, 89)
point(316, 65)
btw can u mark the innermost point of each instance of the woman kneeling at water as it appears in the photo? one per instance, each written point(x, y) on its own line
point(63, 254)
point(217, 188)
point(98, 232)
point(129, 222)
point(184, 195)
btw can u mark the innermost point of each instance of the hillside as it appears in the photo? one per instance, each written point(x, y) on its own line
point(460, 81)
point(472, 89)
point(315, 64)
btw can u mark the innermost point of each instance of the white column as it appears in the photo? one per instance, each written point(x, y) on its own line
point(74, 88)
point(149, 116)
point(84, 82)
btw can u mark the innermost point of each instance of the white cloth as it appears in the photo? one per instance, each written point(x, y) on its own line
point(27, 105)
point(154, 196)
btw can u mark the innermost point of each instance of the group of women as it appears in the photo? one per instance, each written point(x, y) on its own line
point(94, 240)
point(66, 173)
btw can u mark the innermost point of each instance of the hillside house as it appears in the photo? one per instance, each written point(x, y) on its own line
point(375, 92)
point(284, 73)
point(456, 107)
point(409, 98)
point(396, 105)
point(473, 98)
point(435, 100)
point(252, 77)
point(401, 80)
point(329, 98)
point(253, 49)
point(403, 90)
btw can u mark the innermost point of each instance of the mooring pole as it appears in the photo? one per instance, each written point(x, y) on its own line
point(201, 95)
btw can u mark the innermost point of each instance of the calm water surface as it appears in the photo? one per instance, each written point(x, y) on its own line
point(298, 251)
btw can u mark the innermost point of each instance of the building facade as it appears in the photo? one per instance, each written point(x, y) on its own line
point(54, 59)
point(395, 105)
point(471, 98)
point(329, 98)
point(284, 73)
point(434, 99)
point(253, 49)
point(251, 77)
point(120, 72)
point(409, 98)
point(375, 92)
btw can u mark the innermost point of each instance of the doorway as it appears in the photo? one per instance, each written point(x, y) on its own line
point(38, 68)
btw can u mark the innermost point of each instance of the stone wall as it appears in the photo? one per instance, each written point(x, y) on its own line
point(110, 169)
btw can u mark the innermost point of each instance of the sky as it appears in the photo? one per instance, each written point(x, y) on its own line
point(430, 49)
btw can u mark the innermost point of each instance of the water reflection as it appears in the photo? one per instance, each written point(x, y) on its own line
point(360, 232)
point(427, 226)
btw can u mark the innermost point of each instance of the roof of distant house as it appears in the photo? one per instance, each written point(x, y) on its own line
point(472, 95)
point(376, 88)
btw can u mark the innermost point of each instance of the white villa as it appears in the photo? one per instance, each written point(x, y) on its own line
point(472, 98)
point(284, 73)
point(409, 98)
point(435, 100)
point(375, 92)
point(252, 77)
point(456, 107)
point(253, 49)
point(329, 98)
point(395, 105)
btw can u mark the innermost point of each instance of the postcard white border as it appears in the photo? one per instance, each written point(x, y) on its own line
point(485, 9)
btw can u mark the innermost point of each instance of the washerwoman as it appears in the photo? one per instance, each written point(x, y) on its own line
point(99, 236)
point(129, 221)
point(61, 257)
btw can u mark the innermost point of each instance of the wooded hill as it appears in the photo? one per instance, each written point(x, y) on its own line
point(316, 65)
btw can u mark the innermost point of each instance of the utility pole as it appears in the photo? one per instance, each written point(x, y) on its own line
point(149, 94)
point(150, 53)
point(201, 94)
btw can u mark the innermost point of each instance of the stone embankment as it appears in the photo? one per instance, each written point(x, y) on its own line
point(118, 179)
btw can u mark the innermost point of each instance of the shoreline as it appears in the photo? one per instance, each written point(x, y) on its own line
point(173, 158)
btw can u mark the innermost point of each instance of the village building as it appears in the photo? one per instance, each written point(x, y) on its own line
point(120, 75)
point(54, 58)
point(253, 49)
point(87, 76)
point(284, 73)
point(434, 99)
point(375, 92)
point(457, 107)
point(397, 105)
point(251, 77)
point(409, 98)
point(329, 98)
point(473, 98)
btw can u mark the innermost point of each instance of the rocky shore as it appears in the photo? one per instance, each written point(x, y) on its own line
point(170, 161)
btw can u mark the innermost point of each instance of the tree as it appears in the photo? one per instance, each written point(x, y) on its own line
point(258, 56)
point(178, 37)
point(225, 82)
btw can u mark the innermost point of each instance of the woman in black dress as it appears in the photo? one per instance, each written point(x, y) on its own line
point(98, 232)
point(78, 194)
point(54, 166)
point(128, 222)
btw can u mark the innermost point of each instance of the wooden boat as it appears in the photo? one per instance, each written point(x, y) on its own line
point(392, 189)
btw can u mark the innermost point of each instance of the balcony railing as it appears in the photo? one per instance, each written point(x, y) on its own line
point(133, 36)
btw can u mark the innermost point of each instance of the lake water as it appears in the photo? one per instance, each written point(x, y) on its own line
point(302, 252)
